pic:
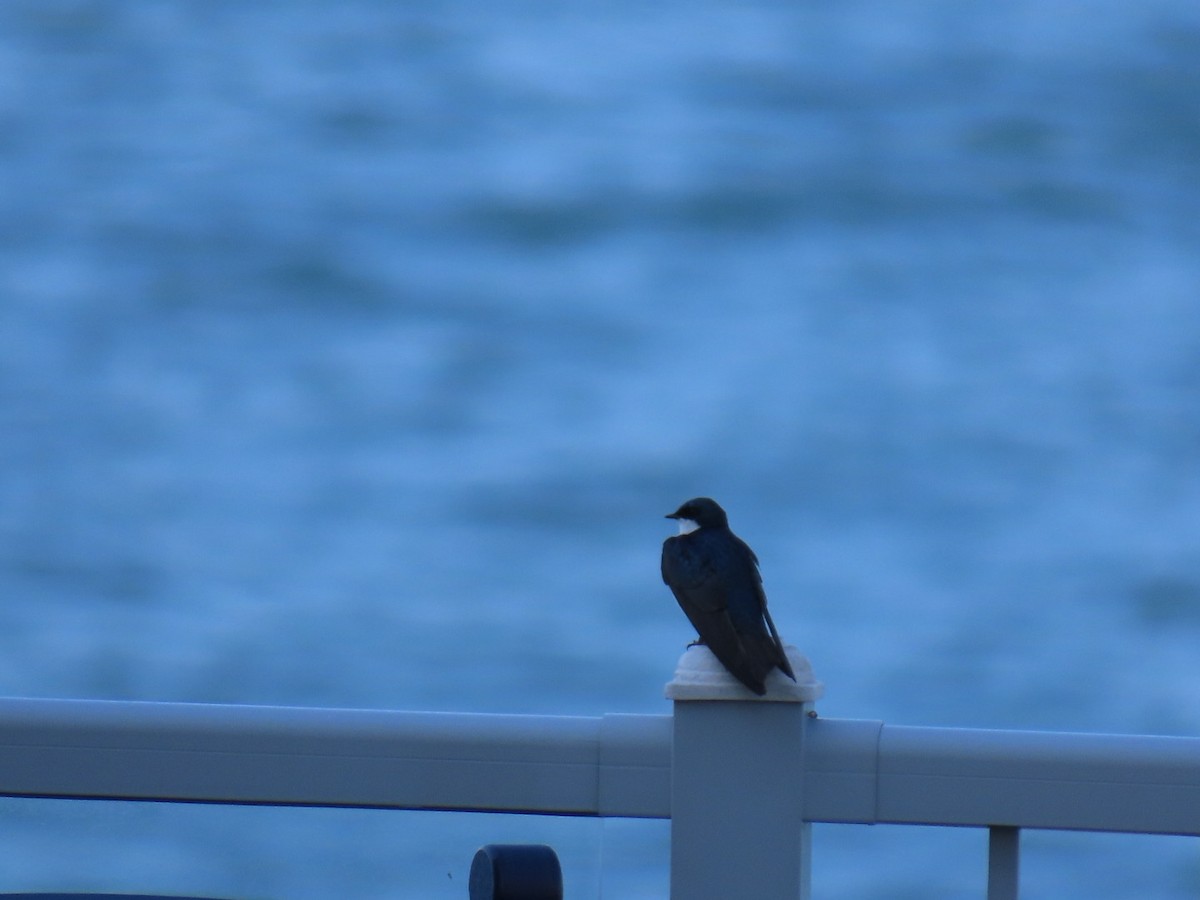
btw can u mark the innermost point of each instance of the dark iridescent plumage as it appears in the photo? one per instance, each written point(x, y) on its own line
point(714, 576)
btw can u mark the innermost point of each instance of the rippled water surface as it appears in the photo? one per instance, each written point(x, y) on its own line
point(351, 353)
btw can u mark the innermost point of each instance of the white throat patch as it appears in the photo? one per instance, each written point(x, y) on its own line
point(687, 526)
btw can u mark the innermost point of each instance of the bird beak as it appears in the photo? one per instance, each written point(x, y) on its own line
point(673, 515)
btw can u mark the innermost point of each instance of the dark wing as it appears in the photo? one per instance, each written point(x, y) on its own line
point(766, 647)
point(691, 569)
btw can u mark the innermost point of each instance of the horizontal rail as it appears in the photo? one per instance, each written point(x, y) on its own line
point(868, 772)
point(614, 765)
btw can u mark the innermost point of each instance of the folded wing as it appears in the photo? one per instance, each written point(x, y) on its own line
point(717, 585)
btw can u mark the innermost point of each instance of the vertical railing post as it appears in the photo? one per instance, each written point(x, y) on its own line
point(1004, 862)
point(737, 783)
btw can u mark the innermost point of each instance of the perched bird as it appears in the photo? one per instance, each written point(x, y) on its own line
point(714, 576)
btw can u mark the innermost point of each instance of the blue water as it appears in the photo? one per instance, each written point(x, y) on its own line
point(350, 354)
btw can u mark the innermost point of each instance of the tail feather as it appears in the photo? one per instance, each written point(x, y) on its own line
point(780, 654)
point(760, 654)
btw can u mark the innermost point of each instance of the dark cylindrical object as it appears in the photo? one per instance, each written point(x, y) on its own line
point(516, 872)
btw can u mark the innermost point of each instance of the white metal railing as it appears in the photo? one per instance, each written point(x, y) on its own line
point(741, 781)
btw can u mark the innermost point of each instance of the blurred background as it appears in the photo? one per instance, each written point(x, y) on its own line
point(351, 354)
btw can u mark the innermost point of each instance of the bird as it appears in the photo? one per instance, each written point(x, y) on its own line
point(715, 577)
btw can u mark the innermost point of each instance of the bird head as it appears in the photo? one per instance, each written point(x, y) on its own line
point(700, 512)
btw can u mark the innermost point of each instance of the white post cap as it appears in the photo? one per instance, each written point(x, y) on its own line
point(700, 676)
